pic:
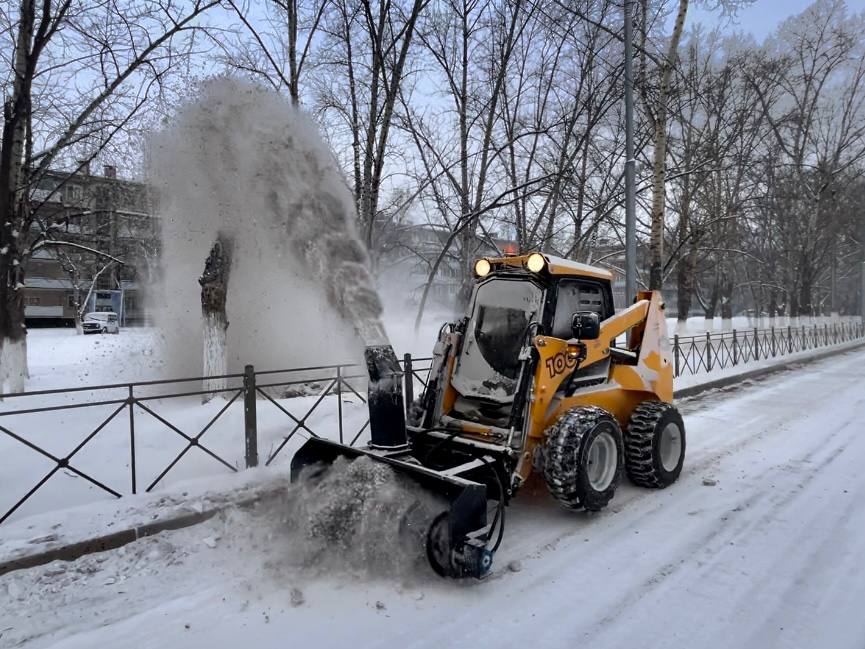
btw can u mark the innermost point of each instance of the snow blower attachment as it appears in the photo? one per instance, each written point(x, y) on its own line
point(541, 377)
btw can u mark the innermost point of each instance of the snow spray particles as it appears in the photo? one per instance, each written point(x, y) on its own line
point(241, 161)
point(358, 516)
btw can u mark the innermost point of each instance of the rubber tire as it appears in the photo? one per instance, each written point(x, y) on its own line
point(438, 547)
point(642, 444)
point(567, 443)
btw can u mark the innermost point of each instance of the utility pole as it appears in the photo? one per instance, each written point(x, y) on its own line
point(630, 199)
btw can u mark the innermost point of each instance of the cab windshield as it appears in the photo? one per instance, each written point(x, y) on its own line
point(489, 364)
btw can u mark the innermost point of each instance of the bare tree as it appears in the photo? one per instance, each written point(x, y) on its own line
point(363, 62)
point(810, 81)
point(277, 46)
point(119, 54)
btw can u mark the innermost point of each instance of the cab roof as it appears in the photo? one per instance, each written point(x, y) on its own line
point(558, 266)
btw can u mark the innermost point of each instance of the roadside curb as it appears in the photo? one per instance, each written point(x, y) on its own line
point(114, 540)
point(75, 550)
point(760, 372)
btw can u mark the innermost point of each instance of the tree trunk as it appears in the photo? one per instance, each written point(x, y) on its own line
point(13, 336)
point(685, 284)
point(214, 291)
point(805, 306)
point(710, 306)
point(14, 209)
point(773, 307)
point(726, 295)
point(291, 11)
point(659, 159)
point(76, 302)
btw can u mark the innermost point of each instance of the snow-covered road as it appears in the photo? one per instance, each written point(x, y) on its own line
point(769, 555)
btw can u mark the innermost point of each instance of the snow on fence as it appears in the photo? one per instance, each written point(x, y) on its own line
point(716, 351)
point(65, 447)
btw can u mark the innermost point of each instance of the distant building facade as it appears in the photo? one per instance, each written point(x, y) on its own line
point(94, 212)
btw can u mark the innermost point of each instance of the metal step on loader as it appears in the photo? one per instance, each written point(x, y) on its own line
point(541, 376)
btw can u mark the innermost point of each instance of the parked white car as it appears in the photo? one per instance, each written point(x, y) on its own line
point(102, 322)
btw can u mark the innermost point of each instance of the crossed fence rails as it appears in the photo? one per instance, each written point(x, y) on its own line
point(715, 351)
point(691, 355)
point(251, 387)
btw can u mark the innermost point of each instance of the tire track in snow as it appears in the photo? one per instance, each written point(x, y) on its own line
point(704, 556)
point(637, 505)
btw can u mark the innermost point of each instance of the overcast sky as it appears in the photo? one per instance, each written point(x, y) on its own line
point(762, 17)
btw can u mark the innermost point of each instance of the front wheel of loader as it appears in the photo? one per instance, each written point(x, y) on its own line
point(584, 458)
point(654, 445)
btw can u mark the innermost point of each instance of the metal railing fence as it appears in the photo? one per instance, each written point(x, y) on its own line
point(338, 383)
point(719, 350)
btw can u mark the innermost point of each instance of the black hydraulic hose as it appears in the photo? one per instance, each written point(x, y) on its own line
point(499, 518)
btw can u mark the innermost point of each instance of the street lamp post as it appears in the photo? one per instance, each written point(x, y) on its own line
point(630, 199)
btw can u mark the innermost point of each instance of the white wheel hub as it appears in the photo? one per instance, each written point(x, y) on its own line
point(670, 446)
point(603, 457)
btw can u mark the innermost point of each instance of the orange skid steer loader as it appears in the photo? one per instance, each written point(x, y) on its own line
point(540, 376)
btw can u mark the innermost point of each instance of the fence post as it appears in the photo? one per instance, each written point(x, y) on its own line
point(131, 402)
point(756, 344)
point(708, 351)
point(409, 380)
point(676, 354)
point(735, 355)
point(825, 334)
point(772, 334)
point(250, 419)
point(789, 339)
point(834, 333)
point(339, 400)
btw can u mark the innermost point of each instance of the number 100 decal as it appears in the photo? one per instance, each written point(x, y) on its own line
point(561, 363)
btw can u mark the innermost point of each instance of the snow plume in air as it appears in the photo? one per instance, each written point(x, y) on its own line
point(359, 516)
point(242, 162)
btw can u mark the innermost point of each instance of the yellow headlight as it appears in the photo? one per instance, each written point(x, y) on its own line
point(536, 262)
point(482, 268)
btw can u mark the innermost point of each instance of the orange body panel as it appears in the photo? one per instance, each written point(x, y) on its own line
point(651, 378)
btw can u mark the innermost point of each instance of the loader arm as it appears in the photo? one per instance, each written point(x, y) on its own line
point(558, 359)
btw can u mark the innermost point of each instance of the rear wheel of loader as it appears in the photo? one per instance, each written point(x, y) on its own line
point(654, 445)
point(584, 458)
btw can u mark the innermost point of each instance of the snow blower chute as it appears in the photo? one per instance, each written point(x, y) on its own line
point(532, 381)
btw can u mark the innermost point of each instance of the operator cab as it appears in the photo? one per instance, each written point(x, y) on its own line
point(508, 306)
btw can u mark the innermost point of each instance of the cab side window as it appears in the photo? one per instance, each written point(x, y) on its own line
point(573, 296)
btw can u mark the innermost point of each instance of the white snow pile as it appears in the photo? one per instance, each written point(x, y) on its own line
point(358, 516)
point(241, 161)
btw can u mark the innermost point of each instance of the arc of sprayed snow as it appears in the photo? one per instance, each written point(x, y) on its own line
point(337, 258)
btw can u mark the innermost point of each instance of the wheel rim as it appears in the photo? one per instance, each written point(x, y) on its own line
point(602, 460)
point(438, 546)
point(671, 447)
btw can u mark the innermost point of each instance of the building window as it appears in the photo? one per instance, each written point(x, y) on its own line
point(70, 301)
point(74, 193)
point(31, 301)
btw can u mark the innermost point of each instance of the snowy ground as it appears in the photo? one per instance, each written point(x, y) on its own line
point(767, 555)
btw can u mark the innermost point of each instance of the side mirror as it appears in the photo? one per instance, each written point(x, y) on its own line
point(586, 325)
